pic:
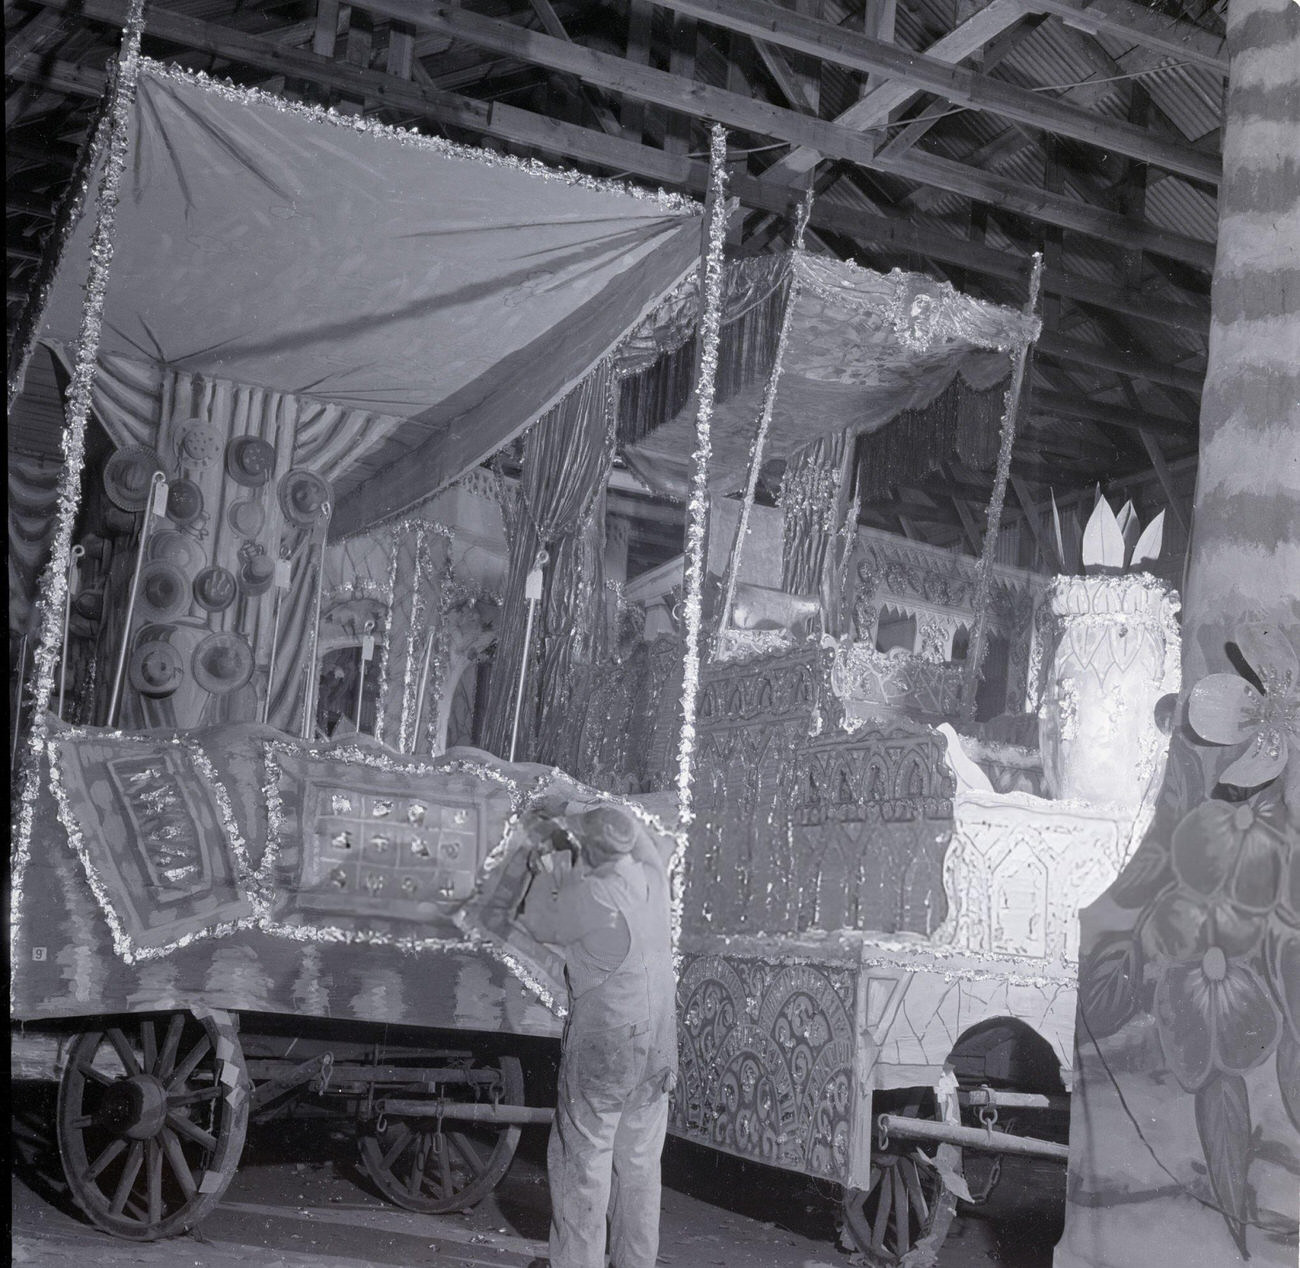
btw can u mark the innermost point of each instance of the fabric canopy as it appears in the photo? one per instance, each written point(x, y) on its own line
point(862, 347)
point(322, 255)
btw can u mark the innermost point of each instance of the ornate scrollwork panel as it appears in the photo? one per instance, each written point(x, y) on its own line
point(766, 1061)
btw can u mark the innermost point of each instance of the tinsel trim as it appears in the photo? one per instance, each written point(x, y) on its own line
point(671, 203)
point(76, 411)
point(381, 707)
point(123, 944)
point(697, 512)
point(984, 571)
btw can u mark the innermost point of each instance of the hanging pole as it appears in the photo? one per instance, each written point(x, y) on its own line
point(984, 570)
point(429, 637)
point(282, 579)
point(760, 437)
point(533, 595)
point(156, 506)
point(366, 650)
point(18, 701)
point(74, 555)
point(313, 668)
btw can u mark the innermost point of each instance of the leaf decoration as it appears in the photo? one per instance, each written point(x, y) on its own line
point(1223, 1124)
point(1149, 544)
point(1103, 542)
point(1144, 875)
point(1060, 541)
point(1288, 1075)
point(1109, 980)
point(1129, 527)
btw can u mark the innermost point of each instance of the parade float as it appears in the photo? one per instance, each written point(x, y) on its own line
point(324, 619)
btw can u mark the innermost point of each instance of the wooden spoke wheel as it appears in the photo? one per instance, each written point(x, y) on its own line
point(152, 1114)
point(902, 1217)
point(431, 1164)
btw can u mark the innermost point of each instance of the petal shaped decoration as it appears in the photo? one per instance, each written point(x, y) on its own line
point(1263, 760)
point(1269, 653)
point(1103, 542)
point(1247, 1021)
point(1223, 708)
point(1060, 541)
point(1185, 1024)
point(1149, 544)
point(1204, 846)
point(1129, 525)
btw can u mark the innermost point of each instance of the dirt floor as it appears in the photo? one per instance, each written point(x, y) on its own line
point(299, 1199)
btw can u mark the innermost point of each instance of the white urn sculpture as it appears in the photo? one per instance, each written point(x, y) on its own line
point(1112, 654)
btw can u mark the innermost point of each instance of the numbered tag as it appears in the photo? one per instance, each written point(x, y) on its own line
point(282, 574)
point(158, 506)
point(367, 647)
point(533, 586)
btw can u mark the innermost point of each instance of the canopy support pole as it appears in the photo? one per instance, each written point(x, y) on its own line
point(984, 570)
point(760, 437)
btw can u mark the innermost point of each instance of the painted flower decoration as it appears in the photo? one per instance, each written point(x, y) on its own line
point(1214, 1015)
point(1226, 709)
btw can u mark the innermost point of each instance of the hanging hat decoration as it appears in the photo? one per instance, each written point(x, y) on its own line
point(256, 573)
point(176, 548)
point(222, 663)
point(155, 668)
point(164, 590)
point(184, 502)
point(303, 494)
point(128, 476)
point(246, 517)
point(215, 589)
point(250, 461)
point(90, 604)
point(198, 442)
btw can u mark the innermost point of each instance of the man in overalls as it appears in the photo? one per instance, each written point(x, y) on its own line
point(608, 912)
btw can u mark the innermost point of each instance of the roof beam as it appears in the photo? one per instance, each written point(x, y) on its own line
point(1067, 405)
point(618, 75)
point(964, 87)
point(1126, 20)
point(875, 106)
point(831, 139)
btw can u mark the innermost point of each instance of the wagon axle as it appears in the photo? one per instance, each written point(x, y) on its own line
point(985, 1138)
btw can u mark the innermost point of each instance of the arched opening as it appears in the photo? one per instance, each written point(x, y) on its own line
point(342, 680)
point(896, 629)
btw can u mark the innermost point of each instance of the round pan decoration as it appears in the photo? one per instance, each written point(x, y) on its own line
point(128, 475)
point(164, 590)
point(155, 668)
point(214, 588)
point(249, 461)
point(198, 442)
point(222, 663)
point(303, 494)
point(247, 517)
point(184, 502)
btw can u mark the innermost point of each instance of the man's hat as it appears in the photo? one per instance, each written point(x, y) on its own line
point(214, 588)
point(256, 574)
point(128, 476)
point(184, 501)
point(605, 829)
point(198, 442)
point(176, 548)
point(247, 517)
point(250, 460)
point(222, 663)
point(155, 668)
point(164, 590)
point(302, 495)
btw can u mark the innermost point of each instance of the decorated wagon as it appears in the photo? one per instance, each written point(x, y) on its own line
point(223, 904)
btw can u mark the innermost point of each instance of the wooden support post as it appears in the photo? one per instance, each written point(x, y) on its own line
point(639, 16)
point(327, 28)
point(1156, 454)
point(1030, 508)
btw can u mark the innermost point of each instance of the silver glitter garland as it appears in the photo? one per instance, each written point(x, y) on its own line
point(53, 586)
point(412, 627)
point(671, 203)
point(698, 507)
point(984, 569)
point(438, 662)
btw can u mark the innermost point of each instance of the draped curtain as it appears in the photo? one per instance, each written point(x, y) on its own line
point(33, 501)
point(566, 464)
point(812, 500)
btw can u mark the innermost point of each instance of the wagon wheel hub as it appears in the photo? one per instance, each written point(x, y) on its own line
point(135, 1107)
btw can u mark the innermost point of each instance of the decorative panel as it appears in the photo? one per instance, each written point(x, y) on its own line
point(872, 819)
point(766, 1055)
